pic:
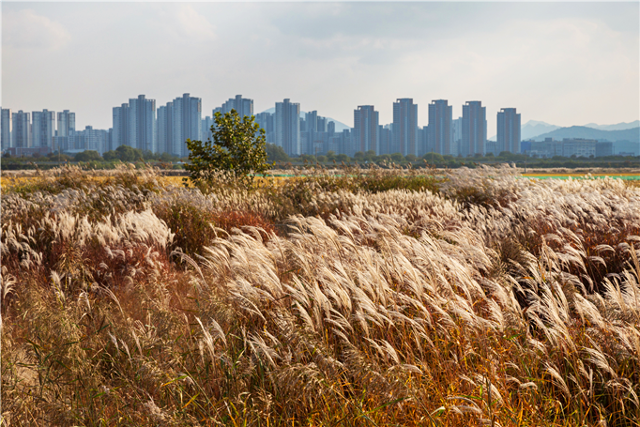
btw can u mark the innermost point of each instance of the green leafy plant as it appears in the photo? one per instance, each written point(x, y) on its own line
point(237, 146)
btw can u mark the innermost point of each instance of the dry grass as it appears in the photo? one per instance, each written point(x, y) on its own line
point(363, 299)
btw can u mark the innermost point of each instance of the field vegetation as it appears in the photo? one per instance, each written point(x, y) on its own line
point(372, 297)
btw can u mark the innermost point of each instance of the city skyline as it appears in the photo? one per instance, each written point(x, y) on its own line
point(567, 64)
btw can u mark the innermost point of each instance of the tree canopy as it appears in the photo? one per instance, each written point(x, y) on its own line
point(237, 145)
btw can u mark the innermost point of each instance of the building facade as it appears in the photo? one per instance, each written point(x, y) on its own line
point(508, 131)
point(134, 124)
point(405, 126)
point(66, 123)
point(287, 124)
point(365, 129)
point(142, 124)
point(21, 129)
point(266, 121)
point(177, 121)
point(456, 136)
point(243, 106)
point(5, 132)
point(579, 147)
point(474, 129)
point(439, 131)
point(120, 122)
point(43, 128)
point(205, 132)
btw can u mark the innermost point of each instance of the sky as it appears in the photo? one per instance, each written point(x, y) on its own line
point(563, 63)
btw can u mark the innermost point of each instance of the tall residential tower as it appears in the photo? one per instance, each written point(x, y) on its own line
point(439, 130)
point(43, 128)
point(243, 106)
point(474, 129)
point(365, 129)
point(5, 138)
point(287, 124)
point(508, 130)
point(405, 126)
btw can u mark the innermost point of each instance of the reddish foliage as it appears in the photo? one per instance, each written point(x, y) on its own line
point(229, 219)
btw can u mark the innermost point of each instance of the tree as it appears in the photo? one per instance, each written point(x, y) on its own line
point(87, 156)
point(238, 147)
point(123, 153)
point(276, 153)
point(342, 158)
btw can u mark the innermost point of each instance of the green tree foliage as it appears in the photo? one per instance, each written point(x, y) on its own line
point(87, 156)
point(433, 158)
point(397, 157)
point(276, 154)
point(124, 153)
point(238, 147)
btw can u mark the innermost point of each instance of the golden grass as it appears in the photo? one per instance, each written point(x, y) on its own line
point(490, 301)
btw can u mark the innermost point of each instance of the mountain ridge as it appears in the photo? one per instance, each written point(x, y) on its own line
point(632, 134)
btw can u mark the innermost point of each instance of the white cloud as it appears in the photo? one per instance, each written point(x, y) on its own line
point(194, 25)
point(24, 29)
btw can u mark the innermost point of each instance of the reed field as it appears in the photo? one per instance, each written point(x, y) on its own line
point(393, 297)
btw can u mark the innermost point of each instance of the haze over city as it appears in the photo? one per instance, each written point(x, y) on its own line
point(563, 63)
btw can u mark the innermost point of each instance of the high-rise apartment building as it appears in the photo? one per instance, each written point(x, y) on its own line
point(66, 123)
point(508, 130)
point(121, 120)
point(164, 125)
point(134, 124)
point(243, 106)
point(179, 120)
point(87, 139)
point(287, 123)
point(439, 130)
point(266, 122)
point(313, 135)
point(331, 128)
point(405, 126)
point(43, 128)
point(321, 124)
point(5, 132)
point(474, 128)
point(21, 124)
point(187, 117)
point(143, 123)
point(344, 141)
point(385, 139)
point(205, 132)
point(308, 130)
point(365, 129)
point(456, 136)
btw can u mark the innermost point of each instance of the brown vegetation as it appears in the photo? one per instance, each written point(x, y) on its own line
point(384, 297)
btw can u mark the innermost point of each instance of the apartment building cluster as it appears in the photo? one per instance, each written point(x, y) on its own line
point(41, 132)
point(140, 124)
point(465, 136)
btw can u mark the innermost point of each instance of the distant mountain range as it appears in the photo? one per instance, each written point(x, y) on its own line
point(619, 126)
point(533, 128)
point(632, 134)
point(537, 130)
point(339, 125)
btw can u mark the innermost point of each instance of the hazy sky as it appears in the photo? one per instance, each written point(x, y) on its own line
point(563, 63)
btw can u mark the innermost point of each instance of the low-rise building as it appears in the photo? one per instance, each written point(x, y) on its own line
point(579, 147)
